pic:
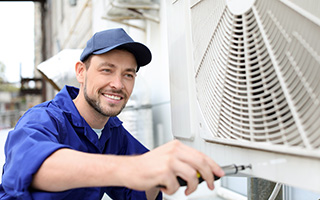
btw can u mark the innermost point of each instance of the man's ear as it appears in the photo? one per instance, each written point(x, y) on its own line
point(80, 69)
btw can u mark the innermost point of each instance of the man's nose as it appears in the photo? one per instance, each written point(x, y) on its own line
point(116, 82)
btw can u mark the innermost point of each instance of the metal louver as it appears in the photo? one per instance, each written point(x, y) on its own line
point(123, 10)
point(257, 73)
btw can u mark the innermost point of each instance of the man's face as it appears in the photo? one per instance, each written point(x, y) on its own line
point(109, 81)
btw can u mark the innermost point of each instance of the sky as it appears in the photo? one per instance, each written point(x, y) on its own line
point(17, 39)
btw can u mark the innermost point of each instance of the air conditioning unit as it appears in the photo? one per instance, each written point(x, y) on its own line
point(124, 10)
point(130, 3)
point(57, 71)
point(245, 79)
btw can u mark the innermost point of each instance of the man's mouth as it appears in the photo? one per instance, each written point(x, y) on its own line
point(113, 97)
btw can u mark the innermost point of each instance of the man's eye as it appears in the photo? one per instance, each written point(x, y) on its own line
point(130, 75)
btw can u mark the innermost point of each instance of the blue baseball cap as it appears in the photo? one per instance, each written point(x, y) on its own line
point(107, 40)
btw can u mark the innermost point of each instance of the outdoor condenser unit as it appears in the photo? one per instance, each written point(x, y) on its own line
point(245, 84)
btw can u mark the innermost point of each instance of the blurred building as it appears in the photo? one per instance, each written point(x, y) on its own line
point(8, 109)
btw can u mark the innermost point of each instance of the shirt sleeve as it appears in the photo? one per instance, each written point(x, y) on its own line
point(34, 138)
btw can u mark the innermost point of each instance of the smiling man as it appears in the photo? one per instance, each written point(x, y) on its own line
point(74, 146)
point(107, 85)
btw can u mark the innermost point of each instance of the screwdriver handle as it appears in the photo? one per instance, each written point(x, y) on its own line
point(184, 183)
point(229, 169)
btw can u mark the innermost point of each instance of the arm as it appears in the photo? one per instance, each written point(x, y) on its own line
point(66, 169)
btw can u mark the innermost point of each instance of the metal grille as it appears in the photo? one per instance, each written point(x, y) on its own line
point(258, 73)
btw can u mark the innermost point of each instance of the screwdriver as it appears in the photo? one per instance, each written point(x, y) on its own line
point(228, 170)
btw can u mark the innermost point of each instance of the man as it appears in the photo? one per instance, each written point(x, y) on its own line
point(74, 146)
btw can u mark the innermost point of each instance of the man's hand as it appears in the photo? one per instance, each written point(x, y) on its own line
point(162, 165)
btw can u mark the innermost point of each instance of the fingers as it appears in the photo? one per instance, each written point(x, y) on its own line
point(169, 185)
point(199, 162)
point(183, 171)
point(189, 174)
point(176, 159)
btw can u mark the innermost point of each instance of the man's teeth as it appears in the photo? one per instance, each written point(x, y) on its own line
point(112, 97)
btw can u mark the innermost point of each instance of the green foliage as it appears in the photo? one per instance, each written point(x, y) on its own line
point(8, 87)
point(2, 72)
point(4, 86)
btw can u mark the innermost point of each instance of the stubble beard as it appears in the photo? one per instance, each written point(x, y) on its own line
point(96, 105)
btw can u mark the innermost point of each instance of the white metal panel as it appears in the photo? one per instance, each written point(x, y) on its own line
point(180, 61)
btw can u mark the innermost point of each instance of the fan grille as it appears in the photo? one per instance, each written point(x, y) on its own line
point(258, 73)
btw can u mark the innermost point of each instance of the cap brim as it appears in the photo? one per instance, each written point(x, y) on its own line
point(140, 51)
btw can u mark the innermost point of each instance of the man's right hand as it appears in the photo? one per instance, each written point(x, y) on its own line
point(164, 164)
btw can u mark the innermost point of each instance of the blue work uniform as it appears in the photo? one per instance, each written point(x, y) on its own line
point(57, 124)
